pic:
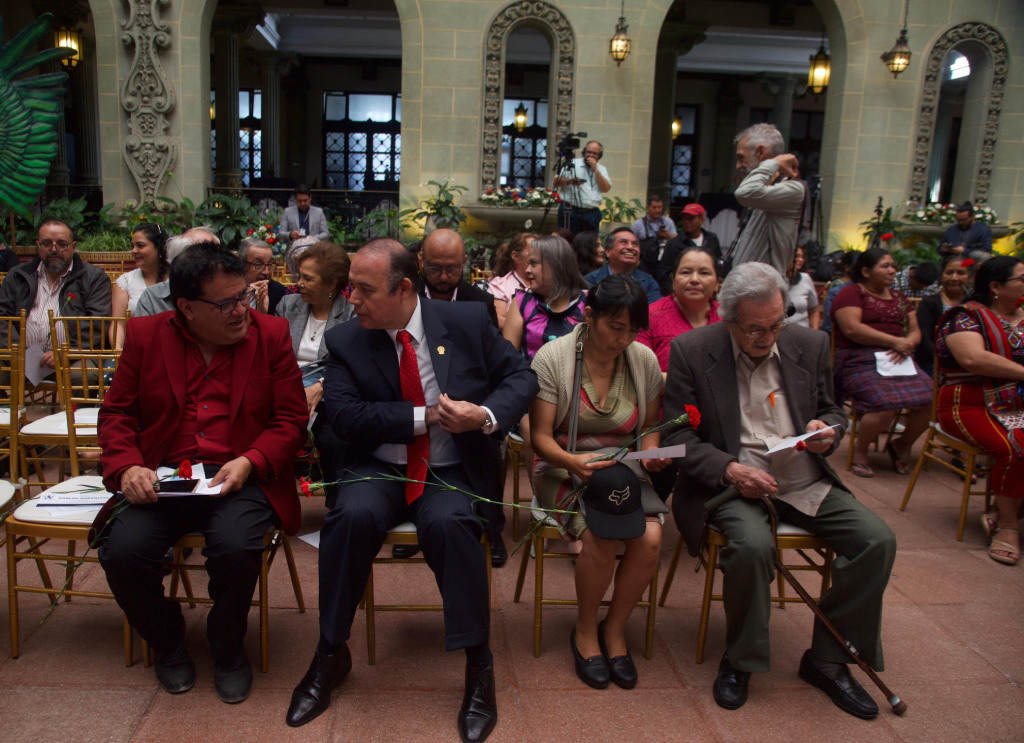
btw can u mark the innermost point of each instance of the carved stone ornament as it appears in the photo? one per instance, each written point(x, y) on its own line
point(996, 45)
point(555, 26)
point(147, 97)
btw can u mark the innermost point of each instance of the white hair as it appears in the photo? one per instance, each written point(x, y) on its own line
point(750, 282)
point(765, 135)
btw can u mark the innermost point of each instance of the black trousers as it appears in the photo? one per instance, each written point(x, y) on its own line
point(578, 219)
point(449, 535)
point(233, 525)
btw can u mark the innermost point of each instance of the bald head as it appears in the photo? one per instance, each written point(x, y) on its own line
point(444, 259)
point(200, 235)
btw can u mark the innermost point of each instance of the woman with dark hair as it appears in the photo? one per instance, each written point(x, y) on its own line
point(149, 251)
point(511, 278)
point(876, 334)
point(553, 302)
point(980, 350)
point(618, 399)
point(803, 295)
point(589, 251)
point(691, 305)
point(320, 304)
point(953, 289)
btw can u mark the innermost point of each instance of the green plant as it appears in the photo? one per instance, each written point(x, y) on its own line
point(1017, 230)
point(882, 228)
point(230, 217)
point(440, 208)
point(616, 209)
point(104, 242)
point(918, 252)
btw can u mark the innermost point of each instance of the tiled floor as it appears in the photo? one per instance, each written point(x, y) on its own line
point(952, 630)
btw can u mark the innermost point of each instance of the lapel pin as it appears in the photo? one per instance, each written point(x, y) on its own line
point(440, 350)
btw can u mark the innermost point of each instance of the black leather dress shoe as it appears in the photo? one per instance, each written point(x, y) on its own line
point(479, 712)
point(591, 671)
point(313, 694)
point(175, 670)
point(499, 553)
point(730, 689)
point(404, 551)
point(621, 668)
point(843, 690)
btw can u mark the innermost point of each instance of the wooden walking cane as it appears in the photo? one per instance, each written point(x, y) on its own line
point(898, 705)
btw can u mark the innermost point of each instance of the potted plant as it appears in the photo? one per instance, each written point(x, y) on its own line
point(438, 211)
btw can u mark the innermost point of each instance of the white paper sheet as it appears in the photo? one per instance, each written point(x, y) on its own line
point(792, 440)
point(889, 368)
point(312, 538)
point(667, 452)
point(34, 371)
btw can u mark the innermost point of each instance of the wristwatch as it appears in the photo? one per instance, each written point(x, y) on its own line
point(490, 424)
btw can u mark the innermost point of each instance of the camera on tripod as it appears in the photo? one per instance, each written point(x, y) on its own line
point(569, 144)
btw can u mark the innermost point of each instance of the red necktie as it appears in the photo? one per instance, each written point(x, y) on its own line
point(418, 452)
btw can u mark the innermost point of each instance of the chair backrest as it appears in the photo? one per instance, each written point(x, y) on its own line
point(12, 376)
point(84, 374)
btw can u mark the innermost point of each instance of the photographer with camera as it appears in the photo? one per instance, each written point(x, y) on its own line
point(967, 236)
point(580, 181)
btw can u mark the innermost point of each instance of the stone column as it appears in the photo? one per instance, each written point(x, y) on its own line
point(784, 88)
point(228, 172)
point(676, 40)
point(270, 123)
point(83, 94)
point(726, 129)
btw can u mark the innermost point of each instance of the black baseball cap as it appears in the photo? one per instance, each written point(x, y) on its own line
point(611, 504)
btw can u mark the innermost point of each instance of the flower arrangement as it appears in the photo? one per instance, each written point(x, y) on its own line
point(268, 234)
point(945, 214)
point(524, 198)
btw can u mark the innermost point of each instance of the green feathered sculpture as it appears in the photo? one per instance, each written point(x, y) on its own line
point(29, 112)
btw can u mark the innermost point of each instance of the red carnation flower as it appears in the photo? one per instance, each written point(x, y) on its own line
point(887, 236)
point(268, 226)
point(800, 446)
point(185, 470)
point(304, 484)
point(249, 232)
point(271, 240)
point(967, 263)
point(694, 415)
point(71, 296)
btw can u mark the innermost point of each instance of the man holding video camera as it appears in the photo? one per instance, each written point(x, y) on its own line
point(581, 181)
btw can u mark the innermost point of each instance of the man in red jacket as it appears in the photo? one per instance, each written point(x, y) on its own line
point(209, 383)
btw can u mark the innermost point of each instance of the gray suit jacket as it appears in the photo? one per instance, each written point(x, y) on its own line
point(702, 372)
point(293, 309)
point(290, 221)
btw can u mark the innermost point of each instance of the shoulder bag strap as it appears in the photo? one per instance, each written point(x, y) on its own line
point(574, 403)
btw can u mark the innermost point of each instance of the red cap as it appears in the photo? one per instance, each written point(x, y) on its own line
point(695, 210)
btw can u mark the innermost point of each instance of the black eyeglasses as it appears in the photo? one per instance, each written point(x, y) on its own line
point(756, 332)
point(60, 245)
point(447, 270)
point(228, 305)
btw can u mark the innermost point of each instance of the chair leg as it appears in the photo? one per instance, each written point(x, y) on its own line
point(69, 572)
point(705, 608)
point(538, 592)
point(968, 474)
point(515, 494)
point(523, 562)
point(294, 573)
point(12, 595)
point(854, 419)
point(371, 624)
point(671, 571)
point(921, 460)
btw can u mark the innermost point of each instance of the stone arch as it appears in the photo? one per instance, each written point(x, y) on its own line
point(990, 45)
point(553, 24)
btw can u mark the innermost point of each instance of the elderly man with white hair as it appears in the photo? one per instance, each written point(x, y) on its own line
point(770, 187)
point(758, 381)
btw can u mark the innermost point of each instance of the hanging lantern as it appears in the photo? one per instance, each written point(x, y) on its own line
point(677, 126)
point(897, 59)
point(69, 38)
point(620, 43)
point(520, 119)
point(821, 70)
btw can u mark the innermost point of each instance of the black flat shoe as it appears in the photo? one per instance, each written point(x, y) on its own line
point(730, 688)
point(313, 694)
point(233, 686)
point(404, 551)
point(621, 668)
point(479, 712)
point(591, 671)
point(843, 690)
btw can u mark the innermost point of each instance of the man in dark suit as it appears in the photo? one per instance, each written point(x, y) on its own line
point(413, 381)
point(259, 265)
point(442, 263)
point(757, 381)
point(211, 383)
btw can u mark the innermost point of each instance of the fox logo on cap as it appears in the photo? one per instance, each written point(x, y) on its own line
point(618, 497)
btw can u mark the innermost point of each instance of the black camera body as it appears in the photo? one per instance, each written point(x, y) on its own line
point(569, 144)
